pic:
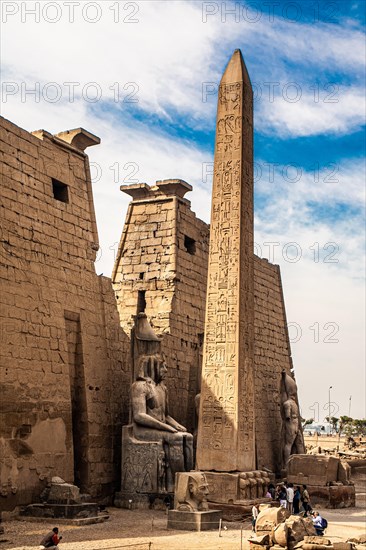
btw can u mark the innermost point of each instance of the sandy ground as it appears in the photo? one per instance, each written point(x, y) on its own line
point(145, 530)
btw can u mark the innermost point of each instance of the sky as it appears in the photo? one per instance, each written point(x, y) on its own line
point(143, 76)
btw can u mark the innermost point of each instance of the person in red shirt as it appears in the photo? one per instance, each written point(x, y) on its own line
point(51, 540)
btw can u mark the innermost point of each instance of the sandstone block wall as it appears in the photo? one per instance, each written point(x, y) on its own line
point(65, 369)
point(162, 261)
point(272, 354)
point(153, 258)
point(64, 358)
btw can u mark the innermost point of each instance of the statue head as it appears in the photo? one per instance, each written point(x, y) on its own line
point(198, 488)
point(191, 491)
point(153, 367)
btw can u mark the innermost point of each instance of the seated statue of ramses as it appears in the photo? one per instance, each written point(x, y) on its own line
point(151, 419)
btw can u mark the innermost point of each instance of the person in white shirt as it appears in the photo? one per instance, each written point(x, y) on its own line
point(255, 513)
point(290, 497)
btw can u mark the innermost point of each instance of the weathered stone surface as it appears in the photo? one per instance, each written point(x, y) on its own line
point(64, 493)
point(244, 487)
point(280, 534)
point(318, 540)
point(60, 320)
point(174, 282)
point(358, 540)
point(268, 519)
point(344, 472)
point(191, 491)
point(193, 521)
point(293, 441)
point(298, 528)
point(342, 496)
point(312, 470)
point(57, 480)
point(64, 371)
point(191, 511)
point(223, 487)
point(261, 539)
point(163, 255)
point(152, 422)
point(154, 446)
point(57, 511)
point(327, 479)
point(343, 545)
point(226, 437)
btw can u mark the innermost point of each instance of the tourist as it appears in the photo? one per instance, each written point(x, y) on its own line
point(297, 498)
point(272, 490)
point(290, 497)
point(255, 513)
point(51, 540)
point(319, 523)
point(305, 499)
point(282, 496)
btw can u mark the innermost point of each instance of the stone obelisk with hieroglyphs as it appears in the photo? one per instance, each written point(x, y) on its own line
point(226, 438)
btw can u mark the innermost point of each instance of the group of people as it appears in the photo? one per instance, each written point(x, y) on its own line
point(291, 497)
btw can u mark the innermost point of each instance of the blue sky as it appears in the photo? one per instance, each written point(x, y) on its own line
point(308, 73)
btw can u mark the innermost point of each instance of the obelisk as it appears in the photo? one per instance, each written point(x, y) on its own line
point(226, 439)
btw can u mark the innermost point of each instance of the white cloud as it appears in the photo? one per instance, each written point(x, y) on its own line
point(340, 113)
point(170, 53)
point(324, 288)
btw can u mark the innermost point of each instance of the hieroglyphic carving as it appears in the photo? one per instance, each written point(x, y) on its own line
point(227, 408)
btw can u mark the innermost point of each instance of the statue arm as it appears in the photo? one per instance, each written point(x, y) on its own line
point(139, 414)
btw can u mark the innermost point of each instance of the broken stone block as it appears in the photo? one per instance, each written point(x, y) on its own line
point(298, 528)
point(317, 540)
point(343, 546)
point(64, 493)
point(312, 470)
point(262, 540)
point(56, 480)
point(344, 472)
point(269, 518)
point(280, 534)
point(358, 540)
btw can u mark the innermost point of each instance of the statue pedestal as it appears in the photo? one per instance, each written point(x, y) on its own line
point(143, 475)
point(239, 487)
point(194, 521)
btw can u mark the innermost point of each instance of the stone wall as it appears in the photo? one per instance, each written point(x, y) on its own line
point(64, 358)
point(65, 354)
point(153, 259)
point(272, 354)
point(161, 269)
